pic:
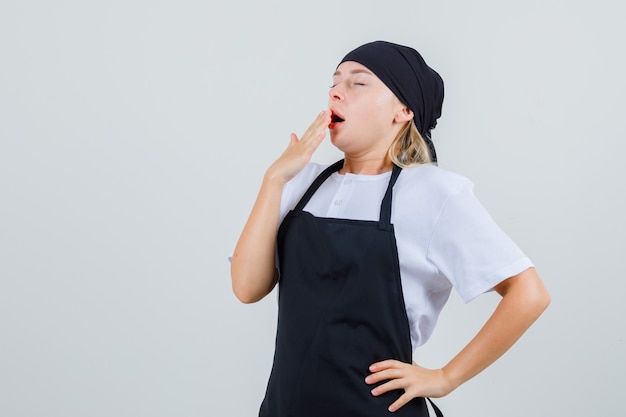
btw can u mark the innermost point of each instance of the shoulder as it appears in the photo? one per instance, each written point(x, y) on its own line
point(306, 176)
point(421, 194)
point(295, 189)
point(313, 169)
point(436, 182)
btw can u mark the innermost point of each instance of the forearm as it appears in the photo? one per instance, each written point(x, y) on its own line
point(524, 299)
point(253, 270)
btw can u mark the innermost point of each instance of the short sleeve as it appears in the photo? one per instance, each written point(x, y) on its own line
point(470, 249)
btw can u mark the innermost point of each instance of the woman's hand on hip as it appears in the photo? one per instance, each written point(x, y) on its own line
point(300, 150)
point(415, 380)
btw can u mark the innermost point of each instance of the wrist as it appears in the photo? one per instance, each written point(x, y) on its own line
point(452, 381)
point(273, 180)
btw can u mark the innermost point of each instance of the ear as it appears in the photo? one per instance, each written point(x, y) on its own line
point(403, 115)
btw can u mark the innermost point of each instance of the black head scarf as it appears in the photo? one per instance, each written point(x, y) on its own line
point(403, 70)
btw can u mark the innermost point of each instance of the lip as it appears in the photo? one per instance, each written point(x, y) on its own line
point(333, 125)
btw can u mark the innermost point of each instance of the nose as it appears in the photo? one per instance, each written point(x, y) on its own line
point(335, 92)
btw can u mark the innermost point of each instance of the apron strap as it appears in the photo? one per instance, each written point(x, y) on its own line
point(316, 184)
point(385, 207)
point(436, 409)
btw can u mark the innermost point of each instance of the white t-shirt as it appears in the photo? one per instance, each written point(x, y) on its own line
point(445, 237)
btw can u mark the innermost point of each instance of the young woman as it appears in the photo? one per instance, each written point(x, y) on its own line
point(366, 251)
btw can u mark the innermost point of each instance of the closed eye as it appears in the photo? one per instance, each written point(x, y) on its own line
point(335, 85)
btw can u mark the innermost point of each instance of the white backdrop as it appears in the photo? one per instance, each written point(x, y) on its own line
point(133, 137)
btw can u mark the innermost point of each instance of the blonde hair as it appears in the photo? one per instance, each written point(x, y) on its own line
point(409, 147)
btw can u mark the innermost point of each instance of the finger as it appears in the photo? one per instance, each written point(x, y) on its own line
point(400, 402)
point(315, 125)
point(386, 364)
point(394, 384)
point(384, 375)
point(310, 144)
point(317, 129)
point(322, 120)
point(312, 141)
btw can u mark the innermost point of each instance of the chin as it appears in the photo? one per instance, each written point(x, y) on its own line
point(337, 143)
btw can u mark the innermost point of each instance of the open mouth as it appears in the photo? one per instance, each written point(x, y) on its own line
point(335, 118)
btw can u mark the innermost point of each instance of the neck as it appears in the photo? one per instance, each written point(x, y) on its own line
point(365, 165)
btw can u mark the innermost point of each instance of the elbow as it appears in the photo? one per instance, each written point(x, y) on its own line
point(543, 300)
point(537, 300)
point(240, 284)
point(241, 290)
point(245, 295)
point(527, 292)
point(540, 295)
point(250, 289)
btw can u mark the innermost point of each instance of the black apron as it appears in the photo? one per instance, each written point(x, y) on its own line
point(340, 309)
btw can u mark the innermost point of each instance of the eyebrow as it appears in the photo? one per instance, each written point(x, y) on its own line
point(355, 71)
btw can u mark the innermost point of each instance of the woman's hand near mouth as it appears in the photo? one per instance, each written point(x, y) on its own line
point(300, 150)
